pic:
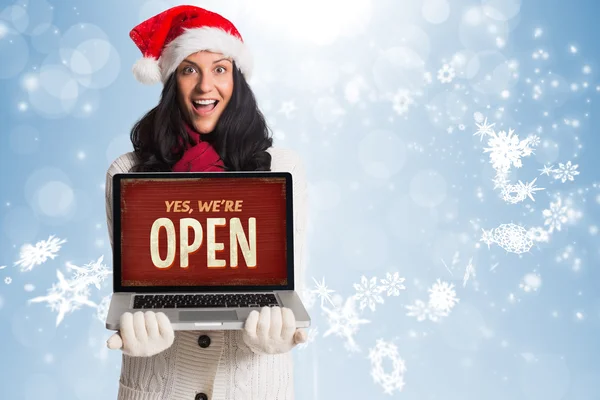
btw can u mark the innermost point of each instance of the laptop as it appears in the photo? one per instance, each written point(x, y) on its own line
point(205, 248)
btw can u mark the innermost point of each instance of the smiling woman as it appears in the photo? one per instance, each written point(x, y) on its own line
point(207, 119)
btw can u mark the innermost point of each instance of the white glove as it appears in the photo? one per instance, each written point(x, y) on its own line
point(273, 331)
point(143, 334)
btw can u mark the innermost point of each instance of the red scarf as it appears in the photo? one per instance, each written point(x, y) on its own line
point(201, 157)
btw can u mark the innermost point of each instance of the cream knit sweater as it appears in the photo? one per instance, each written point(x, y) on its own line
point(227, 369)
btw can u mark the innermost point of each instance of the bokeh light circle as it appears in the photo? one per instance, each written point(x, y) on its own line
point(428, 188)
point(398, 68)
point(381, 154)
point(478, 31)
point(15, 54)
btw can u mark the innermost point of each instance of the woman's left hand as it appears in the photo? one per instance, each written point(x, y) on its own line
point(272, 331)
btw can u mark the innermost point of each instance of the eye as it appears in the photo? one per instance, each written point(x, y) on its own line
point(223, 69)
point(188, 70)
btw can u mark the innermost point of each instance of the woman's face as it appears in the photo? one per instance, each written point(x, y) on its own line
point(204, 85)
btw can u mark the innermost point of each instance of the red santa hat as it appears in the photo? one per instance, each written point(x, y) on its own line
point(166, 39)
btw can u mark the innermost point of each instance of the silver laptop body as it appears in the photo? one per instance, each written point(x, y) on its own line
point(196, 306)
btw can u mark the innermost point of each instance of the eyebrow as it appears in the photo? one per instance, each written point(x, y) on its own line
point(214, 62)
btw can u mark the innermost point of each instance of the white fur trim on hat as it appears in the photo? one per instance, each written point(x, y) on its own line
point(211, 39)
point(146, 70)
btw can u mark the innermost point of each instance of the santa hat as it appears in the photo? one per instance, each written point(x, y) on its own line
point(166, 39)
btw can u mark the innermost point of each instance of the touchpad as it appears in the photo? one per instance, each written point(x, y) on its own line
point(193, 316)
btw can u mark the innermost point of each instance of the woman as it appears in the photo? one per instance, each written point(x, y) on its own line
point(207, 120)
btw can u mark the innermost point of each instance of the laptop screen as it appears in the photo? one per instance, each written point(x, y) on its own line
point(203, 231)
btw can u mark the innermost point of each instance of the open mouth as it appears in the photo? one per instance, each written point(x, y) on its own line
point(204, 106)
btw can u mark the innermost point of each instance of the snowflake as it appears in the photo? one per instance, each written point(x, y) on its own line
point(538, 234)
point(393, 284)
point(401, 101)
point(68, 295)
point(547, 170)
point(310, 337)
point(93, 273)
point(367, 292)
point(344, 322)
point(470, 271)
point(390, 381)
point(534, 140)
point(531, 283)
point(8, 280)
point(506, 149)
point(528, 189)
point(427, 78)
point(446, 74)
point(566, 172)
point(442, 296)
point(31, 255)
point(479, 117)
point(102, 308)
point(487, 237)
point(513, 194)
point(484, 129)
point(420, 310)
point(65, 297)
point(322, 291)
point(500, 180)
point(556, 215)
point(308, 298)
point(512, 238)
point(287, 107)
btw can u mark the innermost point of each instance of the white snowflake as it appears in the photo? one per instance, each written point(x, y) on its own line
point(487, 237)
point(344, 322)
point(500, 180)
point(93, 273)
point(308, 298)
point(484, 129)
point(401, 101)
point(102, 308)
point(367, 293)
point(421, 311)
point(322, 291)
point(393, 380)
point(446, 74)
point(65, 297)
point(547, 170)
point(311, 335)
point(469, 272)
point(528, 189)
point(513, 238)
point(556, 215)
point(506, 150)
point(534, 140)
point(538, 234)
point(442, 296)
point(31, 255)
point(566, 172)
point(68, 295)
point(8, 280)
point(531, 282)
point(392, 284)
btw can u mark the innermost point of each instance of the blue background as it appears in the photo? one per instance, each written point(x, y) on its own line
point(363, 221)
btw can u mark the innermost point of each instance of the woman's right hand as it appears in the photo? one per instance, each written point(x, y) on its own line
point(142, 334)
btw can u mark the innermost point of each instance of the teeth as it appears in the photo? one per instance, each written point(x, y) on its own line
point(204, 102)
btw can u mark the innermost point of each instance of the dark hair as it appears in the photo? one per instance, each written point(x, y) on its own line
point(241, 136)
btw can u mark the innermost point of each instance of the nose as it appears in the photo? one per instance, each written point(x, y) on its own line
point(205, 83)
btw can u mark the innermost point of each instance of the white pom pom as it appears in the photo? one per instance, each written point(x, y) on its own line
point(147, 71)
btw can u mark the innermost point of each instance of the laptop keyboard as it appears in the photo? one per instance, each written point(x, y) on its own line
point(228, 300)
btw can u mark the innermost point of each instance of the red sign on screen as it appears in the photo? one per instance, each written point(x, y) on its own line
point(203, 231)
